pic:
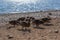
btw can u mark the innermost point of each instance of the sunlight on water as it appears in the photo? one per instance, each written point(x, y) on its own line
point(28, 5)
point(22, 1)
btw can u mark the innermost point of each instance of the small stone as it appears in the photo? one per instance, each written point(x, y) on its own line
point(9, 36)
point(56, 31)
point(50, 13)
point(29, 38)
point(19, 29)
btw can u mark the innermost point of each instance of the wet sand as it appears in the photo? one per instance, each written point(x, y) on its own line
point(51, 32)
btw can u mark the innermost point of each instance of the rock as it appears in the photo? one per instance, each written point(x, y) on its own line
point(56, 31)
point(29, 38)
point(19, 29)
point(9, 36)
point(50, 13)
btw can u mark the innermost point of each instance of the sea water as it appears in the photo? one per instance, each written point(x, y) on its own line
point(26, 6)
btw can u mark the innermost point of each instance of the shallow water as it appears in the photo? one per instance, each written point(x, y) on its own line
point(13, 6)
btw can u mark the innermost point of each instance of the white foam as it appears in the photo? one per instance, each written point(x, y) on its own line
point(23, 1)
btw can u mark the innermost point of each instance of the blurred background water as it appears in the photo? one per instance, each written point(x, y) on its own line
point(27, 6)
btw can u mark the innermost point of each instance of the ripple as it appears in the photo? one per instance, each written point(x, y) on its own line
point(12, 6)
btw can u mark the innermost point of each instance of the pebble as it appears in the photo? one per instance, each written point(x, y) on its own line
point(50, 13)
point(56, 31)
point(9, 36)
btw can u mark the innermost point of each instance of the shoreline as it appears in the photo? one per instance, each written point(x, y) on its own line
point(54, 12)
point(29, 12)
point(37, 14)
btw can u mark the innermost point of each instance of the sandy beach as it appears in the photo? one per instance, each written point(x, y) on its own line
point(51, 32)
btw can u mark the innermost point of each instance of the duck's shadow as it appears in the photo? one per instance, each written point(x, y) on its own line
point(48, 24)
point(24, 30)
point(39, 27)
